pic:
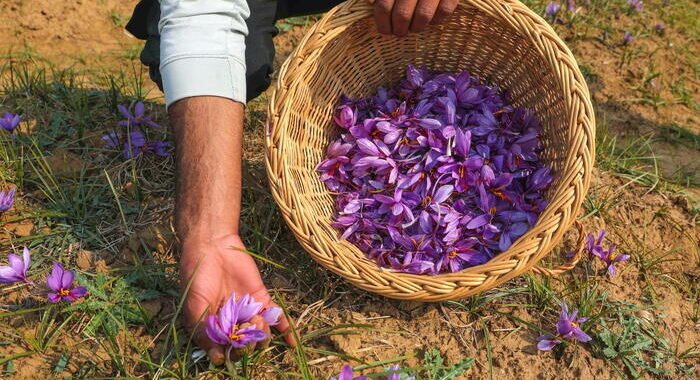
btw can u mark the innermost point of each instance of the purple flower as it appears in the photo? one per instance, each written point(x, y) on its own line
point(571, 5)
point(17, 270)
point(346, 117)
point(397, 375)
point(225, 326)
point(61, 282)
point(594, 247)
point(592, 242)
point(628, 38)
point(134, 143)
point(7, 199)
point(660, 27)
point(159, 148)
point(138, 117)
point(610, 258)
point(347, 374)
point(10, 121)
point(567, 328)
point(635, 5)
point(552, 9)
point(271, 315)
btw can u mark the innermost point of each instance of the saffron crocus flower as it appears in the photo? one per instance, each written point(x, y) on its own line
point(610, 258)
point(552, 9)
point(628, 38)
point(594, 247)
point(568, 328)
point(226, 328)
point(10, 121)
point(635, 5)
point(17, 270)
point(134, 143)
point(137, 118)
point(61, 282)
point(397, 375)
point(7, 199)
point(660, 27)
point(347, 374)
point(346, 117)
point(159, 148)
point(592, 242)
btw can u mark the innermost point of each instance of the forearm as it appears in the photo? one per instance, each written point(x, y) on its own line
point(208, 132)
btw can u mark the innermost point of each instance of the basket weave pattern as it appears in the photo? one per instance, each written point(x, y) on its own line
point(503, 42)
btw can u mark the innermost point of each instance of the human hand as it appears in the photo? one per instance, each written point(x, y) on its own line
point(398, 17)
point(216, 270)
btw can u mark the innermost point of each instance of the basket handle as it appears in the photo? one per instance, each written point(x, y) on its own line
point(569, 265)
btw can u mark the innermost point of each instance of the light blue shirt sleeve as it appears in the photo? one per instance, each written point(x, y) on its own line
point(202, 48)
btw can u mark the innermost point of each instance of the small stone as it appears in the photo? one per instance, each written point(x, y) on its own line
point(24, 228)
point(134, 243)
point(157, 238)
point(152, 307)
point(65, 163)
point(101, 267)
point(84, 259)
point(131, 189)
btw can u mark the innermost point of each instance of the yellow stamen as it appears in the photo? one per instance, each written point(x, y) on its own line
point(64, 292)
point(233, 335)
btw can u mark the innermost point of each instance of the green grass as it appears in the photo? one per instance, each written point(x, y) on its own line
point(104, 202)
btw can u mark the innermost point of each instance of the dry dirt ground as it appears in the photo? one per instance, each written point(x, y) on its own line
point(654, 222)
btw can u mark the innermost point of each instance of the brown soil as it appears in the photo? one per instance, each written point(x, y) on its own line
point(84, 33)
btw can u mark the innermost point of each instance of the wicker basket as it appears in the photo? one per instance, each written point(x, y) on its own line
point(500, 40)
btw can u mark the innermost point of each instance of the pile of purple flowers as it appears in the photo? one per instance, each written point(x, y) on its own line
point(60, 281)
point(437, 174)
point(231, 326)
point(133, 142)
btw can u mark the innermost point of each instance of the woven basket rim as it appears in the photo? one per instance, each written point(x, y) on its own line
point(505, 265)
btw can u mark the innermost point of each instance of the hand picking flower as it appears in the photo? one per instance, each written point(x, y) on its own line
point(17, 270)
point(61, 282)
point(568, 328)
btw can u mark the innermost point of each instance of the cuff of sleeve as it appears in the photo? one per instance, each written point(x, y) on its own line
point(189, 76)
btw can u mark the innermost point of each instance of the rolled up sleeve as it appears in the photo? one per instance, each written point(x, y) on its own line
point(202, 51)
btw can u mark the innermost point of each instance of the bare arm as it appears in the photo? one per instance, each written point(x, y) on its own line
point(209, 133)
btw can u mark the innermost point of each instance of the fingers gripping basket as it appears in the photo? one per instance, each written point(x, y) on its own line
point(501, 41)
